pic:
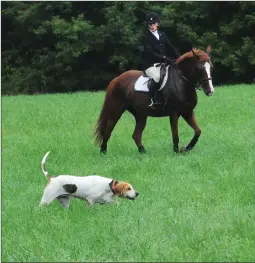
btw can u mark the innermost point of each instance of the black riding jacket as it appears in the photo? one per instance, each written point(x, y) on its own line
point(155, 50)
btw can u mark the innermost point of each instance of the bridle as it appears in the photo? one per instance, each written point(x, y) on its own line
point(201, 81)
point(198, 84)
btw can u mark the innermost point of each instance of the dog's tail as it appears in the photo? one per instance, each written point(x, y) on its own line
point(43, 166)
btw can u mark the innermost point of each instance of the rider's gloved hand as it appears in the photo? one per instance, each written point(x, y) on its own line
point(169, 60)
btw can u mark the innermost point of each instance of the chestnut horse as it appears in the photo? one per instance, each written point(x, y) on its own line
point(193, 69)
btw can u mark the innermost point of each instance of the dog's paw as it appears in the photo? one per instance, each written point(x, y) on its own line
point(115, 202)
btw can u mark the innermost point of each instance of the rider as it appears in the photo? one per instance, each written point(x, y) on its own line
point(157, 49)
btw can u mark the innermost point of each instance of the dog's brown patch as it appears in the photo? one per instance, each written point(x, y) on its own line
point(49, 179)
point(121, 188)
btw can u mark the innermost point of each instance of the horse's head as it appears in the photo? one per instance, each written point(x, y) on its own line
point(197, 67)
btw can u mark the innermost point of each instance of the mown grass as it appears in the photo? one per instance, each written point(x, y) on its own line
point(193, 207)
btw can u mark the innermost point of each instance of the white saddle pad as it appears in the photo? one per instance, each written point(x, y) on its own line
point(142, 83)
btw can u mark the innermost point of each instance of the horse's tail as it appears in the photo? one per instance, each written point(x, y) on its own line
point(107, 109)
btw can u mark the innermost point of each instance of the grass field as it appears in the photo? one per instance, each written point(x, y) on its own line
point(193, 207)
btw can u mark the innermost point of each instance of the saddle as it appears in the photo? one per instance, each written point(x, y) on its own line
point(162, 72)
point(143, 82)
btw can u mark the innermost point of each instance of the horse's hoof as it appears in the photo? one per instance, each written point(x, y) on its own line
point(184, 149)
point(176, 150)
point(102, 151)
point(141, 149)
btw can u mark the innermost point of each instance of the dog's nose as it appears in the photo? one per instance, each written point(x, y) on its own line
point(136, 194)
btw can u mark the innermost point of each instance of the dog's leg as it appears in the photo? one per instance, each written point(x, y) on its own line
point(114, 201)
point(89, 202)
point(50, 193)
point(64, 201)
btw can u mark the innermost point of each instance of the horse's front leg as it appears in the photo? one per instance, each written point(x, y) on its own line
point(174, 128)
point(191, 120)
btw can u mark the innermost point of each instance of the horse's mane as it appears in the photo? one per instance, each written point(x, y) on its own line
point(194, 52)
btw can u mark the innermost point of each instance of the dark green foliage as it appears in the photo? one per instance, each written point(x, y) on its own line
point(70, 46)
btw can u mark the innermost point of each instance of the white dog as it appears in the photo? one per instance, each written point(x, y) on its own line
point(93, 188)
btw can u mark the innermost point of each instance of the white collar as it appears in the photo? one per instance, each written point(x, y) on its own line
point(155, 33)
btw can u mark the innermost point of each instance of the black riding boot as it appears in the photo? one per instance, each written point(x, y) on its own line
point(152, 86)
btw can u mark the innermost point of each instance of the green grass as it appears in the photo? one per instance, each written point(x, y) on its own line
point(193, 207)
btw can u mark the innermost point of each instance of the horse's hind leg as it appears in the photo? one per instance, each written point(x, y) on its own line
point(110, 124)
point(137, 135)
point(191, 120)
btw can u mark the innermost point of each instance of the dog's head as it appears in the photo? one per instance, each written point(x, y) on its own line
point(123, 189)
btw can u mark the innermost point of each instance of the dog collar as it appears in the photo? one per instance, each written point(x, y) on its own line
point(112, 185)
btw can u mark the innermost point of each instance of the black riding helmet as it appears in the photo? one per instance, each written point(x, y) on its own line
point(152, 18)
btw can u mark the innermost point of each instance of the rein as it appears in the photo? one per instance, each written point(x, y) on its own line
point(198, 84)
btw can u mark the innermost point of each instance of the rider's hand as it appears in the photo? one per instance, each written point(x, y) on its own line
point(169, 60)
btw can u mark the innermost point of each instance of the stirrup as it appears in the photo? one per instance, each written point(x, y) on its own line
point(153, 102)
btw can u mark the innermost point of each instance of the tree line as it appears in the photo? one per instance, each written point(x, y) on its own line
point(69, 46)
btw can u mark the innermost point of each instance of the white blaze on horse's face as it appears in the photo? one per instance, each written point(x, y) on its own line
point(208, 71)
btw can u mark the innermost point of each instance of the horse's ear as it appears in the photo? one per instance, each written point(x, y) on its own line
point(194, 53)
point(208, 50)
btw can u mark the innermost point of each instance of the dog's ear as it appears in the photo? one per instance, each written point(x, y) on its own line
point(119, 188)
point(122, 187)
